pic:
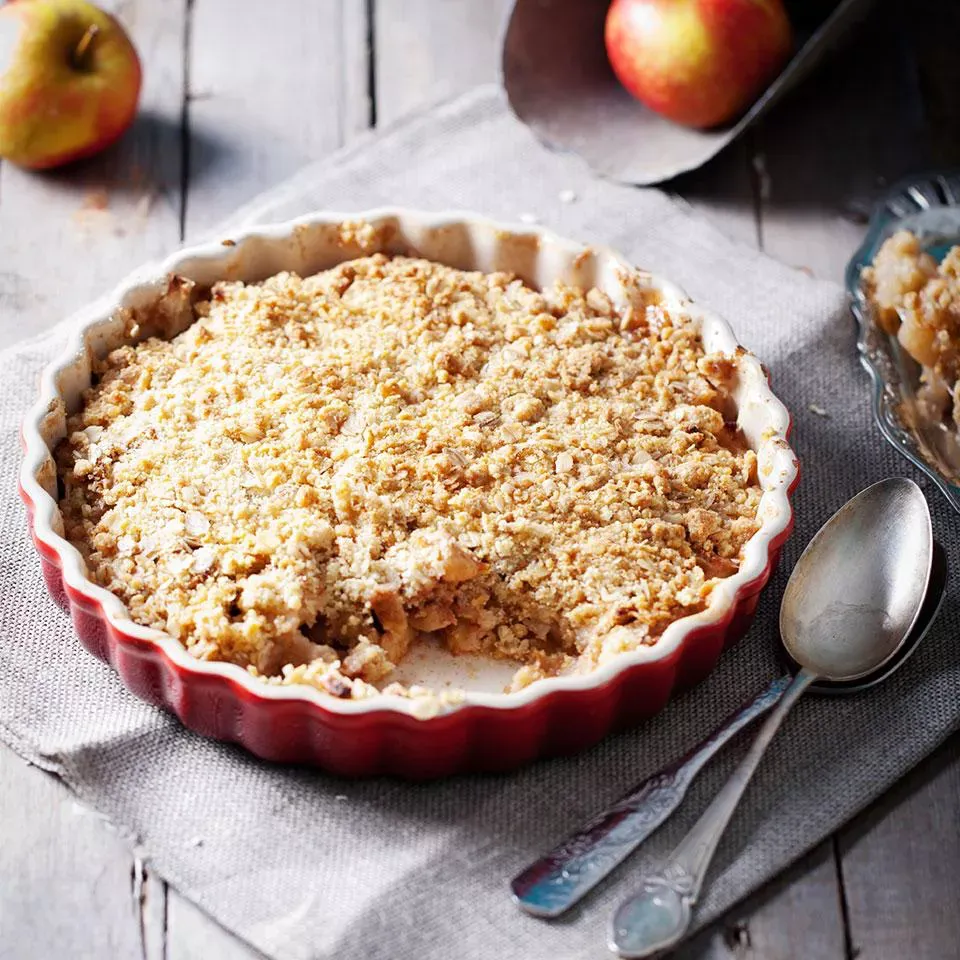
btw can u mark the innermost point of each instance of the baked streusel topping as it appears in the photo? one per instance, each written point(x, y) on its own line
point(317, 473)
point(918, 301)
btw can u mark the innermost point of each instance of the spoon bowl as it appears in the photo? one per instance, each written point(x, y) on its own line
point(936, 591)
point(857, 589)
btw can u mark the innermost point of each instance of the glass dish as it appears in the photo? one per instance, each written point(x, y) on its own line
point(928, 206)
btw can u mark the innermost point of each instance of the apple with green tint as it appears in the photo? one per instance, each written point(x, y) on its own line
point(700, 63)
point(69, 81)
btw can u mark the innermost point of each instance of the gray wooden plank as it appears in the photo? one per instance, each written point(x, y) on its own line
point(428, 50)
point(358, 103)
point(66, 875)
point(826, 153)
point(724, 192)
point(268, 91)
point(150, 895)
point(798, 917)
point(194, 936)
point(900, 866)
point(65, 237)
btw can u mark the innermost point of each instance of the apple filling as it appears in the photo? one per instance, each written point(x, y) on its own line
point(457, 600)
point(308, 477)
point(917, 300)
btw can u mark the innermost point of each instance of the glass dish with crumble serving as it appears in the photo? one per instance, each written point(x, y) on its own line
point(406, 493)
point(904, 289)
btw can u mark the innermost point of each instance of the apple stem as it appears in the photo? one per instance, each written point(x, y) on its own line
point(83, 46)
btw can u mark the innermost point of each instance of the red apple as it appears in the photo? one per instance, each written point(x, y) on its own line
point(698, 62)
point(69, 81)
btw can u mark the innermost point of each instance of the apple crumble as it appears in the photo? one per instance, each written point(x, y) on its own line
point(315, 473)
point(917, 300)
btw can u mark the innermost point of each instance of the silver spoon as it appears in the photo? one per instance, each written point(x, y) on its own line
point(557, 881)
point(849, 606)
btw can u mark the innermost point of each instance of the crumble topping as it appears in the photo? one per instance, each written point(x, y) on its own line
point(918, 300)
point(318, 472)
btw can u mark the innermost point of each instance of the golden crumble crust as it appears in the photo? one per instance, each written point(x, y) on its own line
point(918, 300)
point(318, 472)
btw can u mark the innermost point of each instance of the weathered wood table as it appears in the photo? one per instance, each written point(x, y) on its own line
point(239, 95)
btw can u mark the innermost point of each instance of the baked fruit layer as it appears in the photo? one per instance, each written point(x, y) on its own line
point(917, 300)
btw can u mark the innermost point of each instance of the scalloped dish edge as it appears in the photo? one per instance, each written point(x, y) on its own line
point(760, 414)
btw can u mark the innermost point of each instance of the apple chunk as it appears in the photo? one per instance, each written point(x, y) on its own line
point(69, 81)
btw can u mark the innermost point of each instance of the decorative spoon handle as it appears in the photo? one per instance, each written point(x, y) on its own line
point(657, 917)
point(554, 883)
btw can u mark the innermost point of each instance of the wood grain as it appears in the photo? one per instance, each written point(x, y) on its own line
point(66, 236)
point(268, 91)
point(826, 153)
point(429, 50)
point(724, 192)
point(798, 917)
point(150, 900)
point(192, 935)
point(900, 866)
point(67, 883)
point(68, 879)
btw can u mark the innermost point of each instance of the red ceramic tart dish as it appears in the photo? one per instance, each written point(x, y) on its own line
point(554, 504)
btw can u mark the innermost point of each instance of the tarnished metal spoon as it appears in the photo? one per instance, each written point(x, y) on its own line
point(557, 881)
point(848, 609)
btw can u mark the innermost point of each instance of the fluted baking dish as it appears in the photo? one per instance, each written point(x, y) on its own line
point(489, 730)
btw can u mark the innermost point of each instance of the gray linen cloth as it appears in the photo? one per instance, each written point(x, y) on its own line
point(303, 865)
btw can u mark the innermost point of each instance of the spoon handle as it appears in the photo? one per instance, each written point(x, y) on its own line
point(553, 884)
point(658, 915)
